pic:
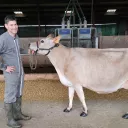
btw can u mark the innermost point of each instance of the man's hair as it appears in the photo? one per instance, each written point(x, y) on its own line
point(9, 18)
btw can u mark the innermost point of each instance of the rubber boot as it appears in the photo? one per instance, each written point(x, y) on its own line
point(17, 110)
point(9, 114)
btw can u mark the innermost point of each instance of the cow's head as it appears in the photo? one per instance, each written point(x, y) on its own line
point(45, 45)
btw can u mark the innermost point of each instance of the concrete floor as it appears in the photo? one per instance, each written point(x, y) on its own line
point(49, 114)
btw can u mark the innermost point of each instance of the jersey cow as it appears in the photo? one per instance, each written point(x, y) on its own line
point(100, 70)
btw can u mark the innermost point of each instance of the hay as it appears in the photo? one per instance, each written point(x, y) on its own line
point(39, 90)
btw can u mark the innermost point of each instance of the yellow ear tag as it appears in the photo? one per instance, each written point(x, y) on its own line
point(56, 39)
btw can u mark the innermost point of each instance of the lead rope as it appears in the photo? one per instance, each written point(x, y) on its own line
point(32, 61)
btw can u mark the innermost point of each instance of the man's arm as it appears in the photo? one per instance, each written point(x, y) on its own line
point(2, 65)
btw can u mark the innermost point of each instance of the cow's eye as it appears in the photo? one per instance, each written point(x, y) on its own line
point(42, 41)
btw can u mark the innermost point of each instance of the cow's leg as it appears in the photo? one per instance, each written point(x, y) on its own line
point(80, 93)
point(125, 86)
point(125, 116)
point(71, 95)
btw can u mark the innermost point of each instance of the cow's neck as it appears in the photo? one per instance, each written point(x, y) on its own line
point(58, 56)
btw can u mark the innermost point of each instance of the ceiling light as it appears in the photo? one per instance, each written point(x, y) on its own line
point(111, 10)
point(69, 12)
point(18, 12)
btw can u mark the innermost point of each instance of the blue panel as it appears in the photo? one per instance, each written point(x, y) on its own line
point(85, 31)
point(64, 31)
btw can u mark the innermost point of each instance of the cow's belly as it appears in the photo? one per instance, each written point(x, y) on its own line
point(125, 85)
point(105, 89)
point(63, 79)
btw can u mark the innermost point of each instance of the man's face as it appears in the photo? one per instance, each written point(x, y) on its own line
point(12, 27)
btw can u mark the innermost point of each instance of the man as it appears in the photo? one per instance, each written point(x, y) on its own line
point(13, 72)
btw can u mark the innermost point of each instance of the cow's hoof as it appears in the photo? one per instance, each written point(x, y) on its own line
point(125, 116)
point(83, 114)
point(66, 110)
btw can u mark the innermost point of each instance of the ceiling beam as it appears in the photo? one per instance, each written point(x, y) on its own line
point(57, 9)
point(114, 2)
point(65, 4)
point(42, 5)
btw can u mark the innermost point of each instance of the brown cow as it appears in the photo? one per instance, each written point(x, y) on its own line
point(100, 70)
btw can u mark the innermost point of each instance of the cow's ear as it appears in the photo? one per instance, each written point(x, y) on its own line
point(51, 36)
point(57, 39)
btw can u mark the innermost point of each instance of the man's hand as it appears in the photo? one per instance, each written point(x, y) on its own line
point(31, 52)
point(10, 69)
